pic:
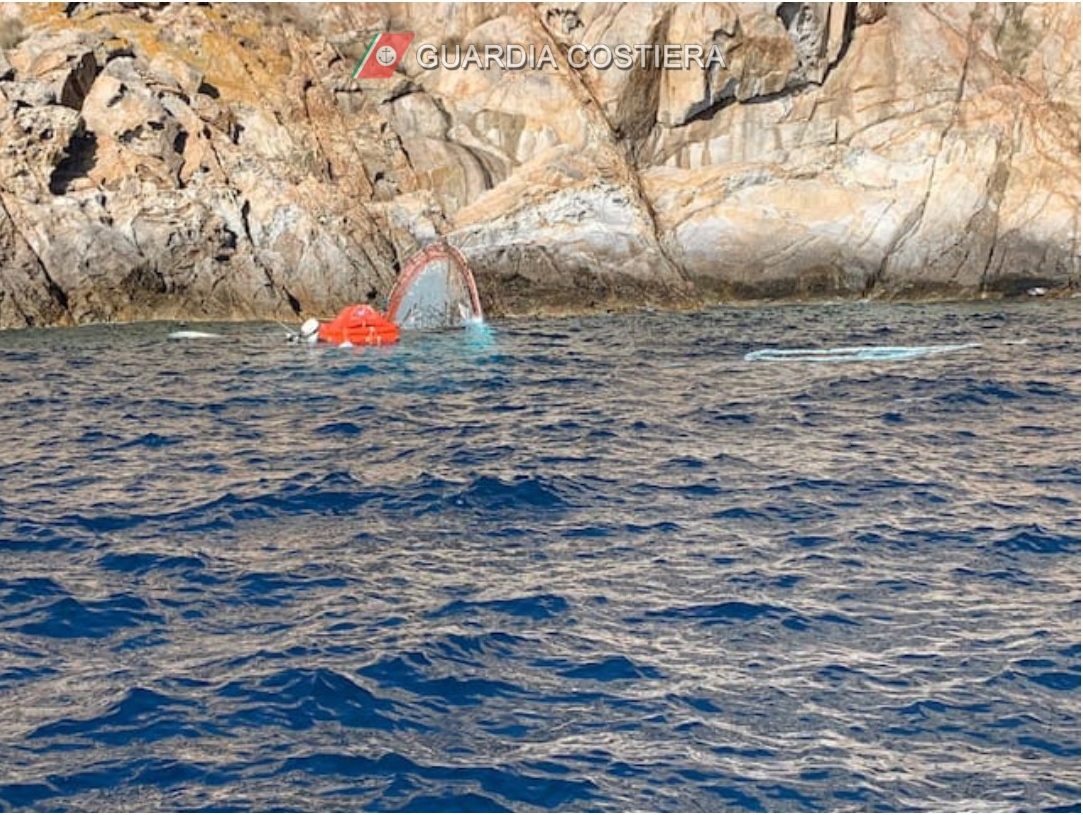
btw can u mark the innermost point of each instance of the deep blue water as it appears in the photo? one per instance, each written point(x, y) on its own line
point(581, 564)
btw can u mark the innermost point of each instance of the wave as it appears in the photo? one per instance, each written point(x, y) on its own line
point(575, 570)
point(95, 619)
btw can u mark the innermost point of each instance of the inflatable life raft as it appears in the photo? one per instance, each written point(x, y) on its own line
point(354, 325)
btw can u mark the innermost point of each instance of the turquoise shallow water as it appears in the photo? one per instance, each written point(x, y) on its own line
point(594, 564)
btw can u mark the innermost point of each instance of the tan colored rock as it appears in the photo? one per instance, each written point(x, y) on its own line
point(33, 144)
point(685, 94)
point(27, 295)
point(419, 116)
point(171, 72)
point(200, 160)
point(64, 61)
point(220, 161)
point(136, 135)
point(591, 241)
point(451, 171)
point(629, 99)
point(869, 13)
point(907, 166)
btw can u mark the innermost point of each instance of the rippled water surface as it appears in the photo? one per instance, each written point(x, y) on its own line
point(589, 564)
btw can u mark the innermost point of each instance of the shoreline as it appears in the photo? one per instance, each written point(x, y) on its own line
point(1053, 296)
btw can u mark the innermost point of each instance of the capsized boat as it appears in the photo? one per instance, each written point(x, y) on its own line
point(435, 290)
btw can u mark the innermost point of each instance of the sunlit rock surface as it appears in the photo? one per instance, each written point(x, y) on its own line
point(219, 161)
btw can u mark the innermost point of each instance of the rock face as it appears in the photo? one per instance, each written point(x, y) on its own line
point(204, 161)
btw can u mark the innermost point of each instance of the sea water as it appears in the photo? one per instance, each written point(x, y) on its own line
point(601, 563)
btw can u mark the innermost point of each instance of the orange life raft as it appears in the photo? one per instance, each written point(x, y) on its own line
point(359, 325)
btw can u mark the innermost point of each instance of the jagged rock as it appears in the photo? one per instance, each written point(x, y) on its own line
point(135, 133)
point(64, 61)
point(893, 183)
point(629, 99)
point(417, 115)
point(818, 32)
point(79, 76)
point(33, 143)
point(686, 94)
point(27, 295)
point(869, 13)
point(31, 93)
point(175, 74)
point(112, 47)
point(591, 240)
point(200, 161)
point(190, 160)
point(454, 174)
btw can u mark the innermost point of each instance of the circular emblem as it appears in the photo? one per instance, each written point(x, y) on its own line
point(386, 55)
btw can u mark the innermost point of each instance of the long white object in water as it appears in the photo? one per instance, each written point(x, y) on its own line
point(193, 335)
point(868, 353)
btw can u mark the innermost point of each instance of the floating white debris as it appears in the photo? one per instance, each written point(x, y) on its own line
point(194, 335)
point(870, 353)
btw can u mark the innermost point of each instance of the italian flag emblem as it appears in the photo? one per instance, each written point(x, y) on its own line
point(383, 56)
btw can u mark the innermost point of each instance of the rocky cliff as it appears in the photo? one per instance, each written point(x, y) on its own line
point(220, 161)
